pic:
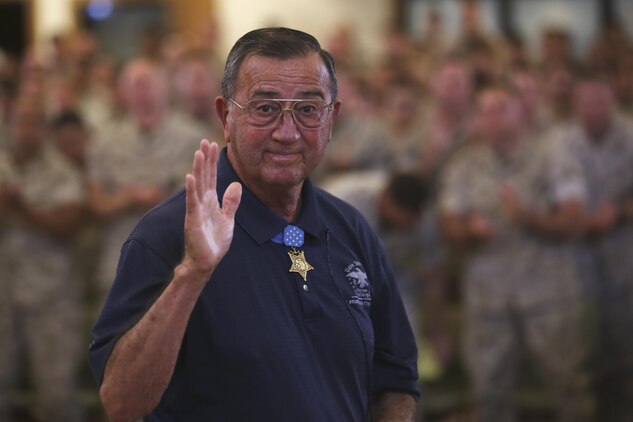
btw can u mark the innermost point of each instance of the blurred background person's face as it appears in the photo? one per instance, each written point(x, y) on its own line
point(498, 117)
point(144, 90)
point(27, 126)
point(594, 106)
point(197, 88)
point(401, 106)
point(452, 85)
point(72, 141)
point(528, 88)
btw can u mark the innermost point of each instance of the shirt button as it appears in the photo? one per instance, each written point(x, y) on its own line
point(306, 288)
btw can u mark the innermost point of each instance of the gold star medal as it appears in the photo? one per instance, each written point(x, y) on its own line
point(299, 263)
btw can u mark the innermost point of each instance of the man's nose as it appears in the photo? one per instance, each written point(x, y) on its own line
point(287, 128)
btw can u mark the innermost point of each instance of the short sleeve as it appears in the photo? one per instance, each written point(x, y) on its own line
point(141, 276)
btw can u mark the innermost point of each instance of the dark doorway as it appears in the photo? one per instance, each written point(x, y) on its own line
point(13, 28)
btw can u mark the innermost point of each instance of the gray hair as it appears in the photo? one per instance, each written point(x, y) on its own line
point(279, 43)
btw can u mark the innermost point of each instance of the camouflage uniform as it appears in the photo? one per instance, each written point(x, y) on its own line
point(122, 156)
point(391, 151)
point(607, 260)
point(40, 293)
point(518, 284)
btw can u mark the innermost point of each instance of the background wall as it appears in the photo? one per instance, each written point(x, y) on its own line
point(368, 18)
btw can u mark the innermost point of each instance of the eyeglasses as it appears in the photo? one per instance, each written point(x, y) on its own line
point(264, 113)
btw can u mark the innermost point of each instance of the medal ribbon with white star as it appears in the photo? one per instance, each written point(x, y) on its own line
point(293, 237)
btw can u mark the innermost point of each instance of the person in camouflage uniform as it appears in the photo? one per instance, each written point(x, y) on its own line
point(137, 161)
point(42, 197)
point(602, 141)
point(514, 204)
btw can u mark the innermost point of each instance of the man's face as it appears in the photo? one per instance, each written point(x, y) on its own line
point(498, 116)
point(196, 86)
point(144, 92)
point(71, 139)
point(594, 105)
point(28, 129)
point(401, 106)
point(284, 154)
point(452, 85)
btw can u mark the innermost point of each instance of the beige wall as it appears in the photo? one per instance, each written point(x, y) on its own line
point(319, 17)
point(368, 18)
point(51, 17)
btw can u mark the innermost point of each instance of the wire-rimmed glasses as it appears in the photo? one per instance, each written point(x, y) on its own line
point(265, 112)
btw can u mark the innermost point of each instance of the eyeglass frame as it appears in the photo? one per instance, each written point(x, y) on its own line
point(328, 107)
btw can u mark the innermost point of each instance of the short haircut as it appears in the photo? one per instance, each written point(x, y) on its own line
point(409, 191)
point(279, 43)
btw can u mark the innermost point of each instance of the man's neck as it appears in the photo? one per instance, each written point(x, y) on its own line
point(285, 202)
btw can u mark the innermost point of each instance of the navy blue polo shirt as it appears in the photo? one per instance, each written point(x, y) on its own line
point(262, 343)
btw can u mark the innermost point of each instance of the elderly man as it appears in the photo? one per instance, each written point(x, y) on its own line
point(275, 301)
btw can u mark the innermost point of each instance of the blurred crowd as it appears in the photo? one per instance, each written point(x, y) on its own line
point(500, 182)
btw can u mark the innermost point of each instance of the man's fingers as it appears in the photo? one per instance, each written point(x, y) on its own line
point(212, 174)
point(231, 200)
point(198, 173)
point(191, 197)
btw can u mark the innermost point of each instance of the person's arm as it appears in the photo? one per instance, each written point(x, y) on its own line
point(143, 359)
point(395, 407)
point(105, 204)
point(61, 221)
point(466, 230)
point(563, 220)
point(603, 220)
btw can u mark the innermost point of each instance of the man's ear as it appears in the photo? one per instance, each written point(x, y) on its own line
point(221, 109)
point(337, 109)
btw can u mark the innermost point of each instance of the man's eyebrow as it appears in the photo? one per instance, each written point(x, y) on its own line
point(275, 94)
point(264, 94)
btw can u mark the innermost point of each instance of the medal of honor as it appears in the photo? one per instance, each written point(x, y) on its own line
point(293, 236)
point(299, 263)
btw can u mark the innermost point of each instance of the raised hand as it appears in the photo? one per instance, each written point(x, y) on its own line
point(208, 228)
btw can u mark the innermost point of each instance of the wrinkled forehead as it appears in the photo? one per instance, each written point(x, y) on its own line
point(262, 75)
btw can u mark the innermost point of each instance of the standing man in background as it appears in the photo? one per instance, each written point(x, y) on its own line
point(602, 142)
point(40, 301)
point(122, 186)
point(276, 300)
point(515, 206)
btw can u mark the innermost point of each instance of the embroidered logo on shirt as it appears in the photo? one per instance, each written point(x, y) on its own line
point(357, 279)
